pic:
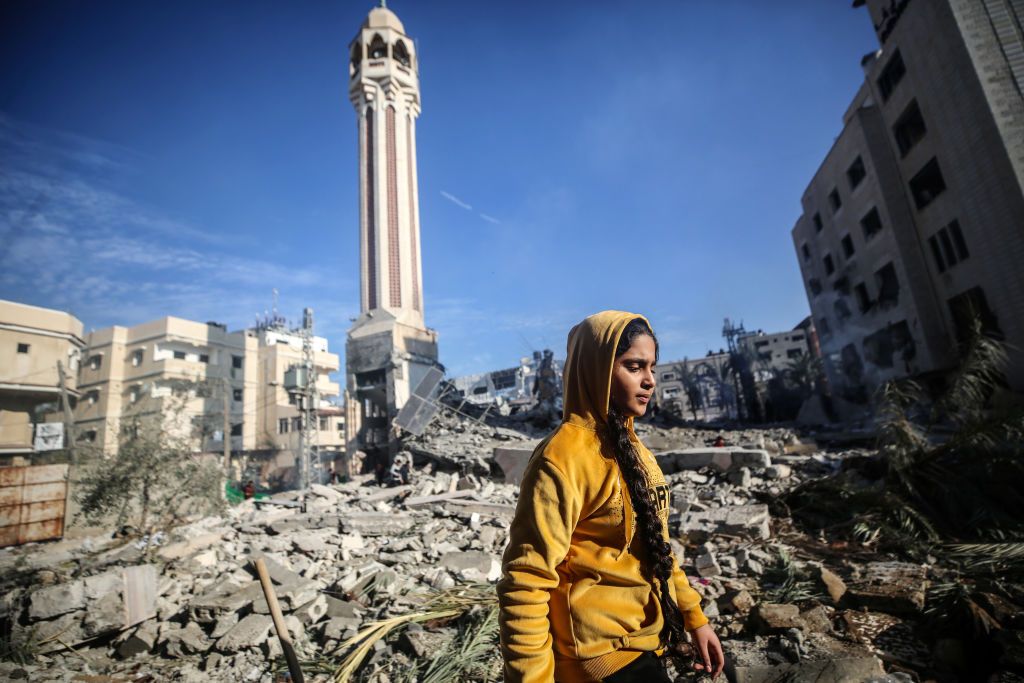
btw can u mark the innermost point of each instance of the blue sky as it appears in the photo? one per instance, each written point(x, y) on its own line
point(186, 158)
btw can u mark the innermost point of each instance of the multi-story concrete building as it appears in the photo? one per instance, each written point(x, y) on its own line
point(775, 352)
point(711, 380)
point(169, 366)
point(915, 220)
point(33, 342)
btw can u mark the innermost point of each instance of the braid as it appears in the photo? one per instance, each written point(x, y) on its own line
point(659, 552)
point(673, 631)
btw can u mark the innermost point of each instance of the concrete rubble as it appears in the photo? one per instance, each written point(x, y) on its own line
point(187, 605)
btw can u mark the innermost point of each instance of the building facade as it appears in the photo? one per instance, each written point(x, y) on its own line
point(35, 343)
point(389, 348)
point(914, 223)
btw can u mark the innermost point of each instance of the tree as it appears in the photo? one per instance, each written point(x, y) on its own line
point(691, 387)
point(156, 476)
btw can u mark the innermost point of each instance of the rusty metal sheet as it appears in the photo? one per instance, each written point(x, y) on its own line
point(32, 506)
point(42, 474)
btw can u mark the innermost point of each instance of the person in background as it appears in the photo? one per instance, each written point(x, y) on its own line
point(249, 490)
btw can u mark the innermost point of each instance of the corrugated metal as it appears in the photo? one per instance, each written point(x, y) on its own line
point(32, 503)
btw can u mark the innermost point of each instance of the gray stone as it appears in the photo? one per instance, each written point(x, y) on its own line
point(211, 606)
point(368, 524)
point(67, 628)
point(707, 566)
point(421, 643)
point(472, 565)
point(335, 627)
point(309, 543)
point(104, 615)
point(740, 477)
point(745, 521)
point(839, 670)
point(99, 585)
point(313, 611)
point(289, 596)
point(182, 642)
point(140, 641)
point(325, 492)
point(176, 551)
point(721, 459)
point(512, 462)
point(250, 632)
point(224, 624)
point(53, 601)
point(774, 618)
point(778, 472)
point(342, 608)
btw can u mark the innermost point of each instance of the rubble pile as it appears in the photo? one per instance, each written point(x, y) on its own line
point(186, 605)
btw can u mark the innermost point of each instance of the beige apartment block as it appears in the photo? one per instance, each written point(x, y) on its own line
point(185, 370)
point(712, 378)
point(915, 218)
point(279, 400)
point(33, 341)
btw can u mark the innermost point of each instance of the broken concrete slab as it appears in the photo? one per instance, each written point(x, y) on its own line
point(141, 640)
point(893, 587)
point(53, 601)
point(743, 521)
point(390, 524)
point(180, 549)
point(775, 618)
point(721, 459)
point(837, 670)
point(180, 643)
point(419, 501)
point(250, 632)
point(472, 565)
point(512, 462)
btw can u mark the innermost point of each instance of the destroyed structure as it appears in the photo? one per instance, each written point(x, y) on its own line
point(389, 348)
point(912, 224)
point(516, 387)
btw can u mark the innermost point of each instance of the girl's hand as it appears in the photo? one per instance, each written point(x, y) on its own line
point(709, 651)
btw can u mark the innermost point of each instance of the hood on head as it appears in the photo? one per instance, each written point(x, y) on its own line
point(587, 376)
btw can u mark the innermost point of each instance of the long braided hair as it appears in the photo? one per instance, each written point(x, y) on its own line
point(659, 553)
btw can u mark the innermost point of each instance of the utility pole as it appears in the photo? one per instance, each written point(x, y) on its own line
point(69, 422)
point(310, 428)
point(226, 407)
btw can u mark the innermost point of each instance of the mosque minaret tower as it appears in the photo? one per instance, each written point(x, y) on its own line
point(389, 347)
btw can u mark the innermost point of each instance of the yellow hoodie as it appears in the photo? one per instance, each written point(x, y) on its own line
point(575, 605)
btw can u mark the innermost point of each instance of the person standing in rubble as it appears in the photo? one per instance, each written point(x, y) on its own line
point(590, 590)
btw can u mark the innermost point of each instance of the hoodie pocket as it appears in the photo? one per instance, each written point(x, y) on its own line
point(602, 616)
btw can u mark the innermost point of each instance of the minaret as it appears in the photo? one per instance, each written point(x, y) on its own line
point(385, 91)
point(389, 348)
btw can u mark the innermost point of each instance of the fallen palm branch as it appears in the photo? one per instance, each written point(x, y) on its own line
point(452, 603)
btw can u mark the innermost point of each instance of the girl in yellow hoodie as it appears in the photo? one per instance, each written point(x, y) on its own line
point(590, 589)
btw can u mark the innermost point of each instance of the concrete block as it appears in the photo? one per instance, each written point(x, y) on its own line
point(250, 632)
point(721, 459)
point(838, 670)
point(211, 606)
point(773, 618)
point(893, 587)
point(53, 601)
point(176, 551)
point(290, 596)
point(472, 565)
point(140, 641)
point(512, 462)
point(745, 521)
point(378, 523)
point(183, 642)
point(325, 492)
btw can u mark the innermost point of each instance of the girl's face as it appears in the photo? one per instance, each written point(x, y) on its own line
point(633, 378)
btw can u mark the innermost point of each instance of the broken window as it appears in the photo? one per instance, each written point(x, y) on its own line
point(179, 355)
point(761, 344)
point(297, 423)
point(798, 337)
point(847, 246)
point(323, 424)
point(830, 267)
point(850, 363)
point(794, 353)
point(891, 75)
point(834, 201)
point(863, 298)
point(878, 348)
point(95, 362)
point(401, 54)
point(22, 348)
point(842, 310)
point(856, 173)
point(842, 285)
point(927, 184)
point(236, 362)
point(888, 286)
point(236, 394)
point(92, 396)
point(282, 425)
point(814, 284)
point(806, 251)
point(204, 358)
point(967, 307)
point(817, 222)
point(137, 356)
point(293, 398)
point(236, 429)
point(88, 435)
point(909, 128)
point(668, 376)
point(871, 223)
point(378, 48)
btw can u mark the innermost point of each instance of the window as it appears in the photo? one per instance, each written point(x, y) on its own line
point(133, 395)
point(92, 396)
point(293, 398)
point(95, 362)
point(830, 267)
point(22, 348)
point(180, 355)
point(834, 201)
point(842, 285)
point(236, 394)
point(401, 54)
point(806, 252)
point(888, 286)
point(797, 337)
point(814, 284)
point(794, 353)
point(958, 239)
point(967, 307)
point(927, 184)
point(863, 298)
point(323, 424)
point(856, 173)
point(236, 429)
point(761, 344)
point(891, 75)
point(817, 222)
point(940, 262)
point(847, 246)
point(89, 435)
point(668, 376)
point(948, 246)
point(909, 128)
point(871, 223)
point(378, 49)
point(297, 423)
point(137, 356)
point(236, 362)
point(282, 425)
point(341, 425)
point(204, 358)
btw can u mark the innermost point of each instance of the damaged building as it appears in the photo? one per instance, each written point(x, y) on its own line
point(389, 349)
point(510, 386)
point(912, 225)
